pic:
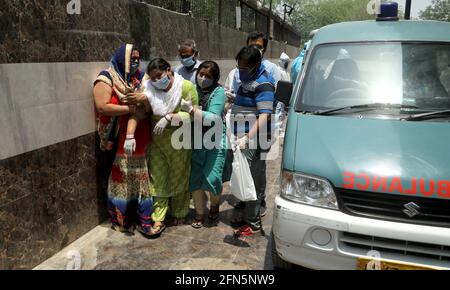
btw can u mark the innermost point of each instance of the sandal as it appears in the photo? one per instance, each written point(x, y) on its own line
point(157, 230)
point(178, 222)
point(144, 231)
point(198, 223)
point(123, 230)
point(214, 213)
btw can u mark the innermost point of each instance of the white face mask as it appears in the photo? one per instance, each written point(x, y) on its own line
point(284, 64)
point(204, 82)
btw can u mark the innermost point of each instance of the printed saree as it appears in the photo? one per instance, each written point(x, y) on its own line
point(129, 198)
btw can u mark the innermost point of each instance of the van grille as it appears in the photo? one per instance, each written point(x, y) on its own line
point(432, 211)
point(396, 249)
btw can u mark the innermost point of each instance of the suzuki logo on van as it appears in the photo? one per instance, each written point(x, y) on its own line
point(411, 209)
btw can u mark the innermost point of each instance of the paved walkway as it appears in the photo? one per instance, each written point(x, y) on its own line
point(179, 248)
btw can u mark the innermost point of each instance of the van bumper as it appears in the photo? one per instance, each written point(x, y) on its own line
point(324, 239)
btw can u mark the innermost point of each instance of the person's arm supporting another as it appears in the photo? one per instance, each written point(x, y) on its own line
point(142, 108)
point(102, 97)
point(190, 92)
point(265, 98)
point(215, 112)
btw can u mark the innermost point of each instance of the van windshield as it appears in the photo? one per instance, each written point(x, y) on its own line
point(410, 74)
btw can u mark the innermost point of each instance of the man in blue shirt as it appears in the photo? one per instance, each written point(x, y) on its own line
point(260, 40)
point(255, 100)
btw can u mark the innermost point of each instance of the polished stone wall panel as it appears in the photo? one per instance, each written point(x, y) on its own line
point(47, 33)
point(44, 104)
point(10, 142)
point(9, 33)
point(51, 199)
point(18, 177)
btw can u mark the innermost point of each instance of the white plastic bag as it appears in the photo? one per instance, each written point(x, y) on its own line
point(242, 185)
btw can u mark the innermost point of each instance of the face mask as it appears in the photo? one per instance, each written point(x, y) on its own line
point(246, 75)
point(162, 84)
point(134, 68)
point(204, 82)
point(188, 61)
point(284, 64)
point(261, 49)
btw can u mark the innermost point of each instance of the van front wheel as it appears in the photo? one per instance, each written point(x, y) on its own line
point(278, 262)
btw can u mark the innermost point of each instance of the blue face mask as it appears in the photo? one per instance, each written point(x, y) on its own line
point(162, 84)
point(188, 61)
point(246, 75)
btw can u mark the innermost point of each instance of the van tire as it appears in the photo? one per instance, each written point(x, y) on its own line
point(278, 262)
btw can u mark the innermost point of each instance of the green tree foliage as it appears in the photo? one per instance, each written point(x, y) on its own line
point(438, 10)
point(313, 14)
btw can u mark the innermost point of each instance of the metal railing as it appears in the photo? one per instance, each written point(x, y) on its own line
point(223, 12)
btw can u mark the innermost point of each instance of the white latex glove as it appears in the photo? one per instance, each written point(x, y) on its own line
point(241, 143)
point(130, 145)
point(161, 126)
point(187, 106)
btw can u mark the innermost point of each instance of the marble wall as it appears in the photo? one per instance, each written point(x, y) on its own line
point(43, 104)
point(48, 198)
point(52, 177)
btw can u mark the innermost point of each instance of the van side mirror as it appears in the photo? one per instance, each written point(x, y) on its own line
point(284, 92)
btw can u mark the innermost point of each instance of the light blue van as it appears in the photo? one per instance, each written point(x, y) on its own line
point(366, 168)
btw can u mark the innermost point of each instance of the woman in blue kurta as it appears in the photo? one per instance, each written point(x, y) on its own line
point(208, 159)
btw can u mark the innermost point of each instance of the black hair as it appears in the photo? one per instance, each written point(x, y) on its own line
point(213, 67)
point(251, 54)
point(257, 35)
point(159, 64)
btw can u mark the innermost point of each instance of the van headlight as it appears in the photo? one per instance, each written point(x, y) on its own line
point(309, 190)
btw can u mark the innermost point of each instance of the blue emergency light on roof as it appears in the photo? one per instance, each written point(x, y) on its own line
point(388, 12)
